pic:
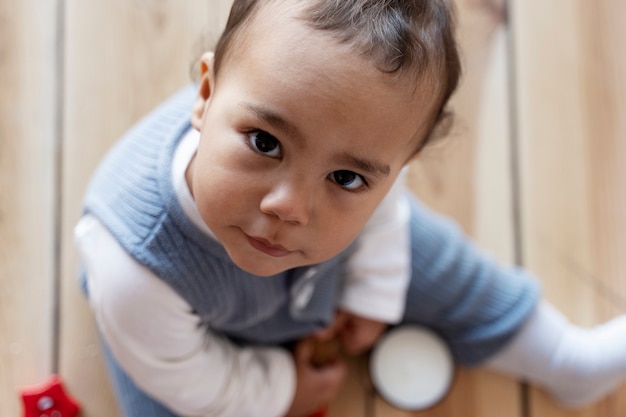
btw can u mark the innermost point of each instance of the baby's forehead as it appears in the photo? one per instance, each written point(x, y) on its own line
point(382, 41)
point(409, 44)
point(269, 28)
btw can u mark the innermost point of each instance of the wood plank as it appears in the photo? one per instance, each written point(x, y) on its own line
point(123, 58)
point(27, 143)
point(467, 177)
point(571, 94)
point(27, 187)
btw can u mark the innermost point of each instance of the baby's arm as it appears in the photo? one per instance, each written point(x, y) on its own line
point(378, 272)
point(354, 333)
point(160, 343)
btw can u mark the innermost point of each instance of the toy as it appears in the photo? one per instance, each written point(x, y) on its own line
point(48, 399)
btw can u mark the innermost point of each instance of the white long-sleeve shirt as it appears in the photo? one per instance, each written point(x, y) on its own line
point(159, 342)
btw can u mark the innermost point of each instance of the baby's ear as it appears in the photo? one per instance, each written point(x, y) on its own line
point(205, 89)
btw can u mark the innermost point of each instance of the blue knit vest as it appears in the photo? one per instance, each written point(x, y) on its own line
point(132, 194)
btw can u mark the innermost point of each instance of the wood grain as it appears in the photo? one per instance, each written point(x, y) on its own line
point(27, 195)
point(570, 96)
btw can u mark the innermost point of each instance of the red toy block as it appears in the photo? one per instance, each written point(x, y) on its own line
point(48, 400)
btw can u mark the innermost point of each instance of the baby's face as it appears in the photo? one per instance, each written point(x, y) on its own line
point(301, 138)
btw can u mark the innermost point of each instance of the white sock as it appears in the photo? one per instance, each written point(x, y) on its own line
point(577, 366)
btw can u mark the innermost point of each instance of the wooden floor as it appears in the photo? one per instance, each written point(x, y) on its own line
point(535, 171)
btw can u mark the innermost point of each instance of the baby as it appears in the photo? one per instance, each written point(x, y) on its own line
point(264, 208)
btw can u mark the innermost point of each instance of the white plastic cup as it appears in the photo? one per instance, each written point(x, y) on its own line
point(411, 367)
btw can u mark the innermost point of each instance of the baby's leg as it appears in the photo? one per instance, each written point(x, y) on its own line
point(490, 314)
point(475, 304)
point(577, 366)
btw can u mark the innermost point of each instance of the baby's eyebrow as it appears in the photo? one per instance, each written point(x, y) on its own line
point(272, 118)
point(369, 166)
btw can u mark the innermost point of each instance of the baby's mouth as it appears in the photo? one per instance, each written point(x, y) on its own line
point(267, 247)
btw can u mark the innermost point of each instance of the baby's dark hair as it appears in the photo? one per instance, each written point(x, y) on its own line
point(402, 37)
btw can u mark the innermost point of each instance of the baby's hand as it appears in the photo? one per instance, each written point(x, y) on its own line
point(357, 334)
point(317, 384)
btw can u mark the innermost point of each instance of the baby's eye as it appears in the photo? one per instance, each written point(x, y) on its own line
point(348, 180)
point(264, 143)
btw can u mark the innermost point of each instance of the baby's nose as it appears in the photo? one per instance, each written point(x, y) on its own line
point(289, 202)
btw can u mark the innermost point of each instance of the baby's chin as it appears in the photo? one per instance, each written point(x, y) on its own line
point(265, 268)
point(270, 268)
